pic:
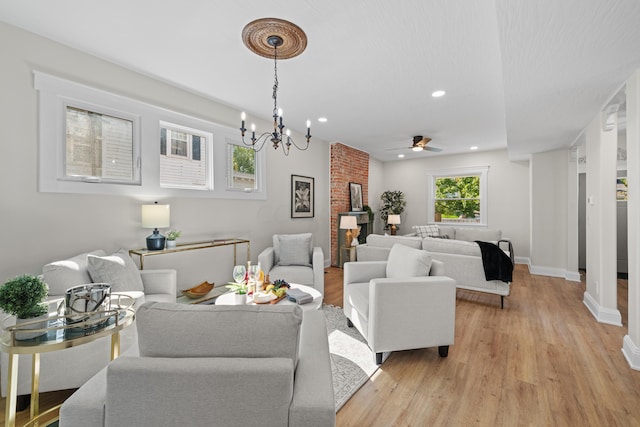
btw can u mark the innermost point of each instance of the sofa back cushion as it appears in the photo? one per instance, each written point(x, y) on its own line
point(118, 270)
point(447, 232)
point(472, 234)
point(64, 274)
point(456, 247)
point(407, 262)
point(293, 249)
point(190, 330)
point(388, 241)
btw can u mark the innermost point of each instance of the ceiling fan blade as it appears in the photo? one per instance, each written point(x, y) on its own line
point(399, 148)
point(434, 149)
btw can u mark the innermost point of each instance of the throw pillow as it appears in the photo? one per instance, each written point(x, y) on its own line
point(427, 230)
point(65, 274)
point(118, 270)
point(407, 262)
point(295, 249)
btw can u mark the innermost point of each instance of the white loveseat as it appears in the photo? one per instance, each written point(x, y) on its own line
point(72, 367)
point(214, 366)
point(456, 248)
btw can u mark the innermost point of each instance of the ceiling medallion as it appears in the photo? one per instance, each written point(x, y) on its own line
point(277, 39)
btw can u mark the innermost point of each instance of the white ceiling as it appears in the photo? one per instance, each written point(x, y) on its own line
point(524, 74)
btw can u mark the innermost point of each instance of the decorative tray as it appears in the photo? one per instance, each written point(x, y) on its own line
point(198, 291)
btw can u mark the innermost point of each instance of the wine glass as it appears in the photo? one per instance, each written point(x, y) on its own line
point(238, 273)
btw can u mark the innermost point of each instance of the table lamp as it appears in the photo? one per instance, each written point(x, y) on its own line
point(155, 216)
point(348, 222)
point(393, 220)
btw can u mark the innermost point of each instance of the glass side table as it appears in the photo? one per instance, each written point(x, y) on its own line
point(60, 335)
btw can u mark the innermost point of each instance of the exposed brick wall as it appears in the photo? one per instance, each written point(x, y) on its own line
point(347, 165)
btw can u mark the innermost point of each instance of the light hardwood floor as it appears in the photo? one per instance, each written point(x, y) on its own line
point(542, 361)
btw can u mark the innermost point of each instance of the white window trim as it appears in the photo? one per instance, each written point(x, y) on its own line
point(481, 171)
point(54, 91)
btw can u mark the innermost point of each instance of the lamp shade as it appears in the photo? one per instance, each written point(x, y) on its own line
point(155, 216)
point(348, 222)
point(393, 219)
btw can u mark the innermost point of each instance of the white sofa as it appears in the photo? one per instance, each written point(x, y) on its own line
point(458, 251)
point(404, 303)
point(72, 367)
point(294, 258)
point(203, 366)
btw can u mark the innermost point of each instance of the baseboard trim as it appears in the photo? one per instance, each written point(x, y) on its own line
point(631, 352)
point(572, 276)
point(547, 271)
point(602, 315)
point(522, 260)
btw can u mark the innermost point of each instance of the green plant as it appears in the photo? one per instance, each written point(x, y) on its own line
point(23, 297)
point(370, 213)
point(238, 288)
point(393, 203)
point(173, 234)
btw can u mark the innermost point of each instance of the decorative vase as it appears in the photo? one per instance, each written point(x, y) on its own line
point(171, 244)
point(240, 299)
point(22, 332)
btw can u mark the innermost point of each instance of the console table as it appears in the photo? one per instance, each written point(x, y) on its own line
point(142, 253)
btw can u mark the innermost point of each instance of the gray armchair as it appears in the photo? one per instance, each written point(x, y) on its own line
point(214, 366)
point(294, 259)
point(401, 304)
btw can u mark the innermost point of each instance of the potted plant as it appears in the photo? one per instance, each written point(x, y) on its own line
point(240, 289)
point(172, 235)
point(393, 203)
point(24, 297)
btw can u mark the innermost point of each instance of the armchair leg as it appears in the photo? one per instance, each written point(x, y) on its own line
point(378, 358)
point(349, 323)
point(502, 301)
point(443, 350)
point(22, 402)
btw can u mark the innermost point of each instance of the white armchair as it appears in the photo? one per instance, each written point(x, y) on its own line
point(294, 259)
point(396, 305)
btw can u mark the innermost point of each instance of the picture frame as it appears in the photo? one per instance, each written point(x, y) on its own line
point(302, 196)
point(355, 197)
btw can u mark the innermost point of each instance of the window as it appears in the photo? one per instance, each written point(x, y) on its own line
point(183, 157)
point(98, 146)
point(241, 167)
point(458, 196)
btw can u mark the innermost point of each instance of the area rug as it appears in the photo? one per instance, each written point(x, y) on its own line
point(352, 362)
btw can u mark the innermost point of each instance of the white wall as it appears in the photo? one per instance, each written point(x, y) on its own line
point(376, 188)
point(42, 227)
point(508, 191)
point(549, 213)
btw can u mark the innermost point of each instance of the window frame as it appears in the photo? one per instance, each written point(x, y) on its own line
point(480, 171)
point(54, 91)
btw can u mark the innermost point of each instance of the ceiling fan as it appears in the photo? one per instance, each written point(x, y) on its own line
point(420, 144)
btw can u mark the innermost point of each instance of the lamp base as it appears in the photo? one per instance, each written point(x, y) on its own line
point(394, 229)
point(348, 238)
point(155, 241)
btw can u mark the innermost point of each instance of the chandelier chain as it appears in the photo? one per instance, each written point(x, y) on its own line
point(275, 81)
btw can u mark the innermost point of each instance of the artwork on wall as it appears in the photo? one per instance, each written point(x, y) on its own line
point(302, 193)
point(355, 195)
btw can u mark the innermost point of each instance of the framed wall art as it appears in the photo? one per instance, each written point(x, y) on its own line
point(355, 195)
point(302, 194)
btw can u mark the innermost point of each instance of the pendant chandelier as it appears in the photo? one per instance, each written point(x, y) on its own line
point(277, 39)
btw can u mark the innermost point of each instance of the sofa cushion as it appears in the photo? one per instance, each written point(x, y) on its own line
point(293, 249)
point(407, 262)
point(427, 230)
point(64, 274)
point(449, 232)
point(190, 330)
point(457, 247)
point(118, 270)
point(389, 241)
point(472, 234)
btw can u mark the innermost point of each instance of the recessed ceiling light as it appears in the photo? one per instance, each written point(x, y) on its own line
point(400, 156)
point(473, 148)
point(322, 119)
point(438, 93)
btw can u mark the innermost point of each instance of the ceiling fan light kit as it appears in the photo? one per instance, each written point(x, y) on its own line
point(274, 38)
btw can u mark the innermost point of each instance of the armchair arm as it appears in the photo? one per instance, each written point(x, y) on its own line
point(411, 313)
point(159, 281)
point(266, 259)
point(509, 248)
point(317, 260)
point(363, 271)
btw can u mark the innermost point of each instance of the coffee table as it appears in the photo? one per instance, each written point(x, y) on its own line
point(228, 298)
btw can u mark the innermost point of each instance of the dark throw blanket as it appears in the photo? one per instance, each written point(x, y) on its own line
point(497, 265)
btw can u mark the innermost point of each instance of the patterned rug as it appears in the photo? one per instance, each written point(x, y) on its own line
point(352, 362)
